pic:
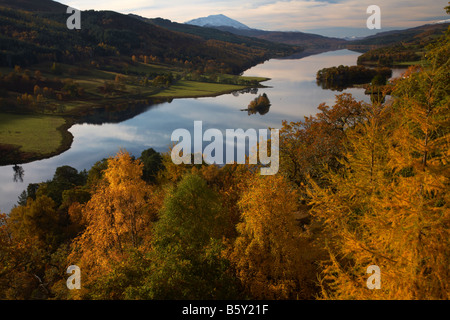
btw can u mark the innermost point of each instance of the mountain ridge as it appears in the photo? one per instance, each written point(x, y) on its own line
point(316, 41)
point(295, 38)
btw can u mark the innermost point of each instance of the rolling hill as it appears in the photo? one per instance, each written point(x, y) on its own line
point(37, 33)
point(416, 34)
point(398, 48)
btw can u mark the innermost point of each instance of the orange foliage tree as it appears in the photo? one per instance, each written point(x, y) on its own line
point(119, 218)
point(271, 257)
point(389, 205)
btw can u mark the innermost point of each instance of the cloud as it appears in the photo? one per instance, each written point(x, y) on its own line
point(281, 14)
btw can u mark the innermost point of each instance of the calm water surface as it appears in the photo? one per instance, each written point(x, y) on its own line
point(292, 91)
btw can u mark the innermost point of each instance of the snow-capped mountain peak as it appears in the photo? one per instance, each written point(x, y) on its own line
point(218, 20)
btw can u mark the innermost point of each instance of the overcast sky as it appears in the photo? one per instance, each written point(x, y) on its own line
point(343, 17)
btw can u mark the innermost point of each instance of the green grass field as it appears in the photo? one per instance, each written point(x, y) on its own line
point(186, 89)
point(34, 133)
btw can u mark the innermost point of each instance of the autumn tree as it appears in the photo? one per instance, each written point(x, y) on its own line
point(38, 219)
point(419, 156)
point(119, 217)
point(388, 204)
point(349, 208)
point(229, 182)
point(19, 261)
point(271, 256)
point(306, 147)
point(30, 236)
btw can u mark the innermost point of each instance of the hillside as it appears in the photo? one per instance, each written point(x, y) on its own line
point(41, 35)
point(397, 48)
point(208, 33)
point(415, 34)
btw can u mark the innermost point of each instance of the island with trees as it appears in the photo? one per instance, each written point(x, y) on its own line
point(260, 104)
point(342, 77)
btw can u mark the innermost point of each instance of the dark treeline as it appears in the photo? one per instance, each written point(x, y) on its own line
point(29, 38)
point(389, 56)
point(341, 77)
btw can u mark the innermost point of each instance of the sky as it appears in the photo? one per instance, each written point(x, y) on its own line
point(341, 18)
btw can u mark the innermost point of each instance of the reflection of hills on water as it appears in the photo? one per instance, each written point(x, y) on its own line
point(114, 114)
point(334, 86)
point(377, 93)
point(243, 91)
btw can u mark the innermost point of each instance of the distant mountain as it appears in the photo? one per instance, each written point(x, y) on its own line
point(353, 38)
point(218, 20)
point(307, 40)
point(208, 33)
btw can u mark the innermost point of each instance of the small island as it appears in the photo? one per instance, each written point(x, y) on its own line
point(260, 105)
point(343, 77)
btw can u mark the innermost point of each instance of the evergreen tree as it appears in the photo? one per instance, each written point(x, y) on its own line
point(188, 246)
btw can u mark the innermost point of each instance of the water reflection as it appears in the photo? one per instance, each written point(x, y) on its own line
point(18, 173)
point(293, 95)
point(262, 110)
point(117, 113)
point(244, 91)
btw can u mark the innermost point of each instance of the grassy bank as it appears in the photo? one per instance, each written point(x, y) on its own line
point(25, 137)
point(194, 89)
point(33, 133)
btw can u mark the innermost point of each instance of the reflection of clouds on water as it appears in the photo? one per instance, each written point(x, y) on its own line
point(123, 133)
point(109, 135)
